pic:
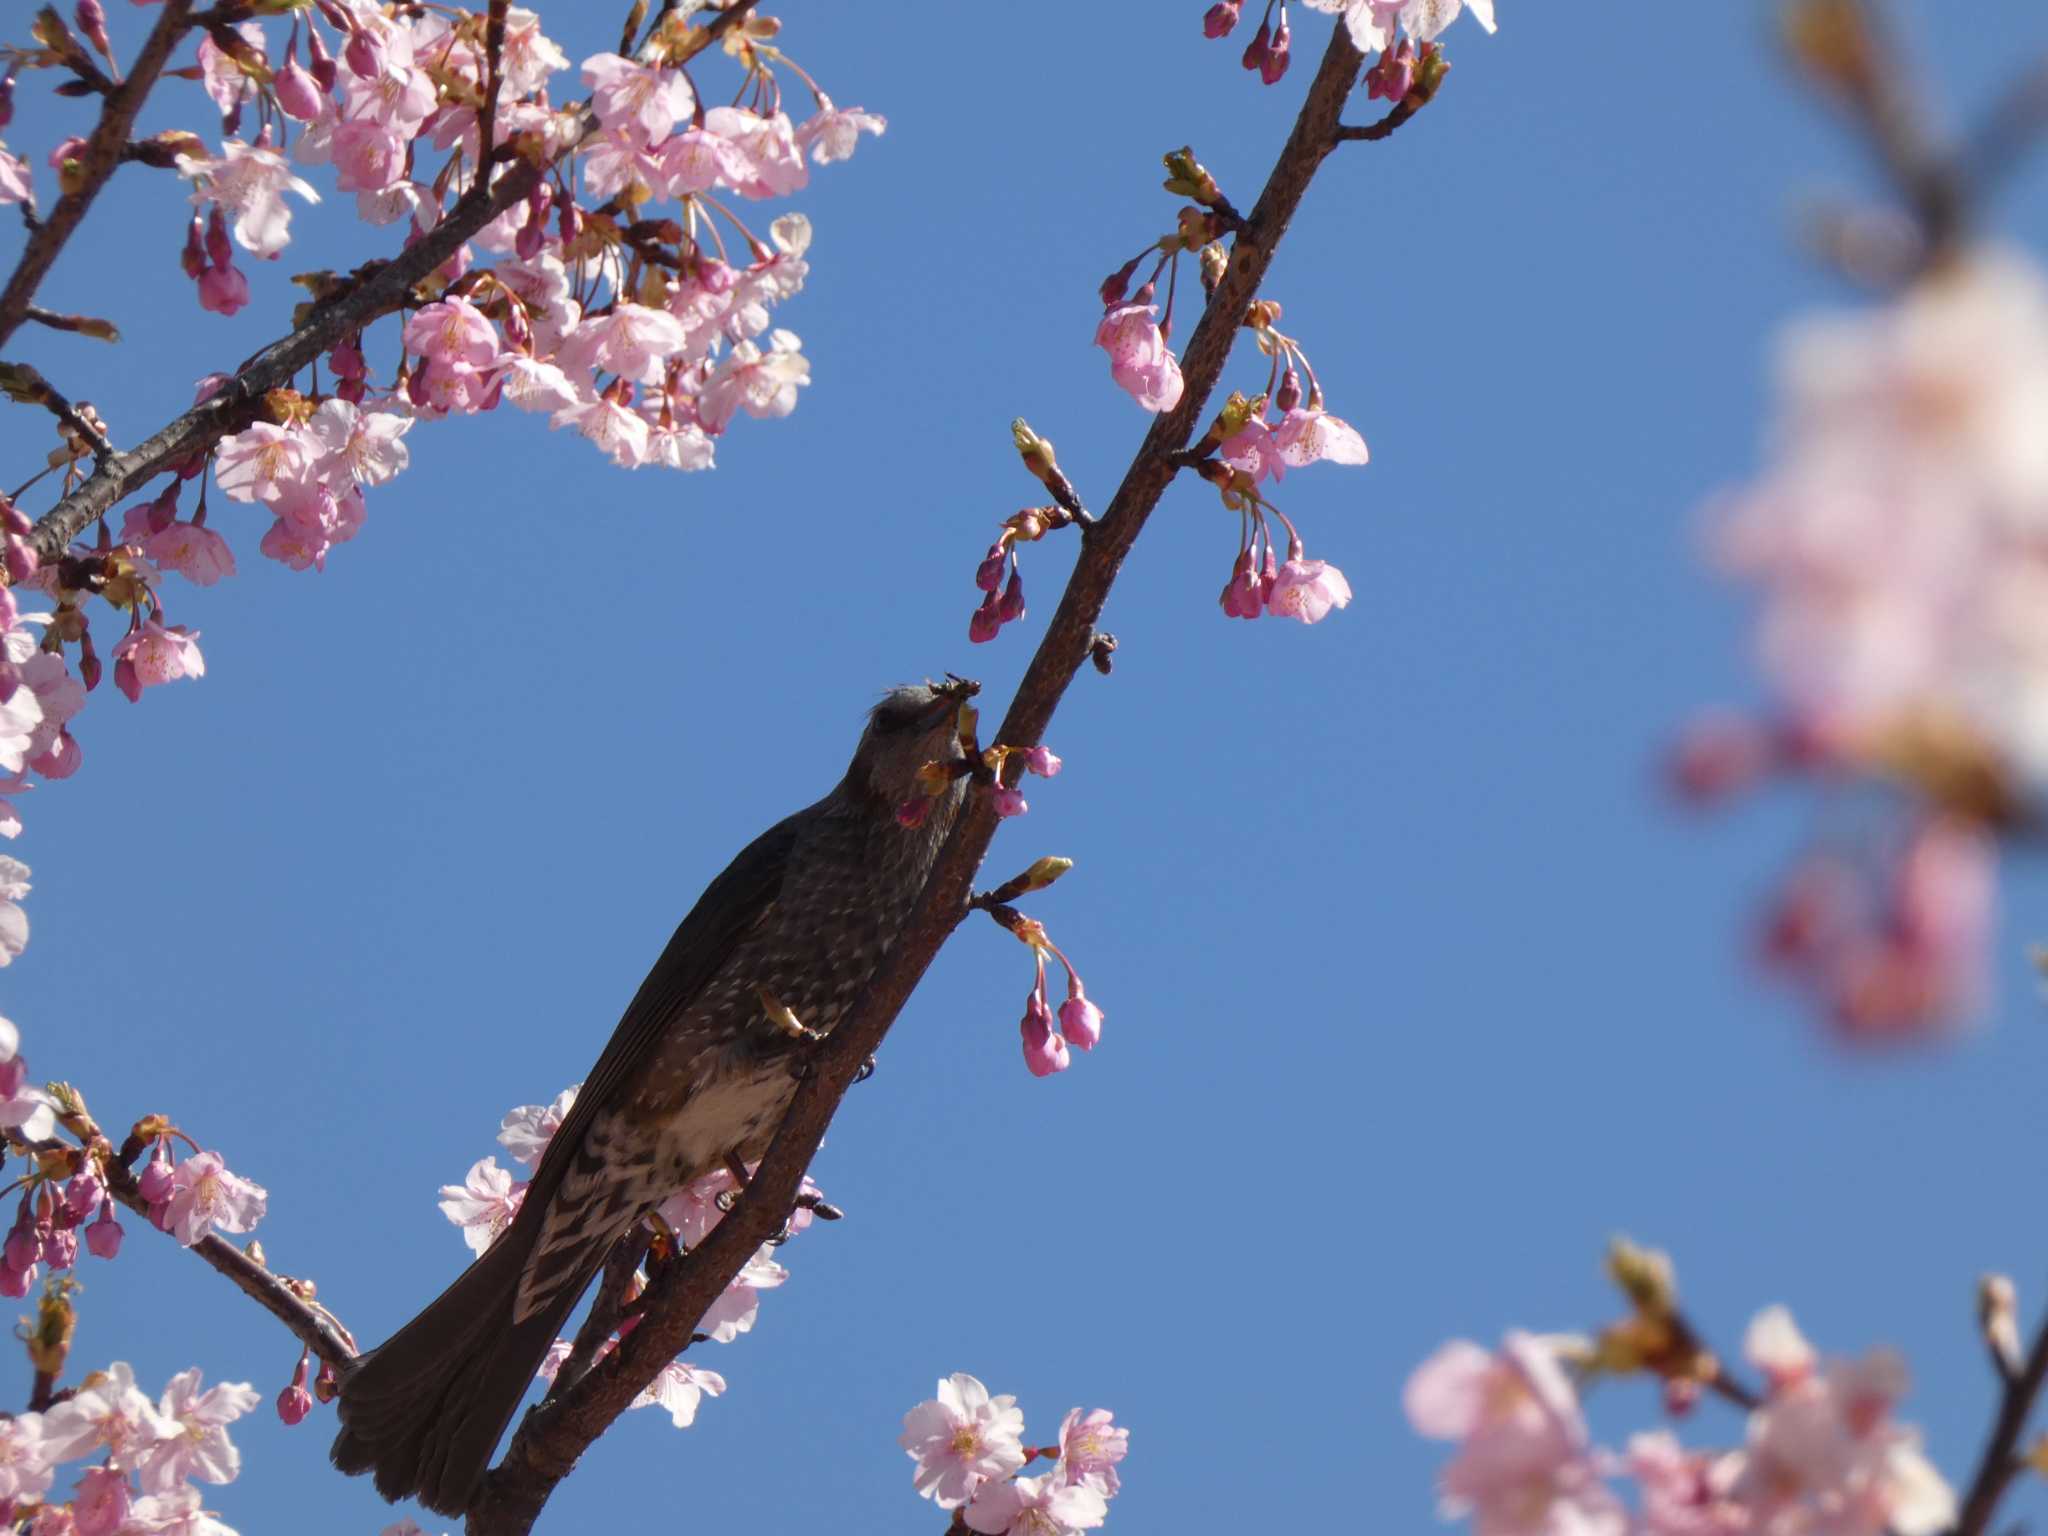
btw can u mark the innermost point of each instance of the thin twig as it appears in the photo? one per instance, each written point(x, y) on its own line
point(2001, 1463)
point(96, 162)
point(494, 51)
point(24, 384)
point(548, 1442)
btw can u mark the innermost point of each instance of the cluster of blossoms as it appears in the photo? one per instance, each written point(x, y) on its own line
point(1822, 1455)
point(484, 1204)
point(969, 1448)
point(1393, 29)
point(1079, 1020)
point(648, 334)
point(1895, 541)
point(145, 1457)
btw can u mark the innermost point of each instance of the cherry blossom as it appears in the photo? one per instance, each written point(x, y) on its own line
point(1307, 590)
point(16, 185)
point(834, 131)
point(196, 1443)
point(27, 1469)
point(176, 1513)
point(1035, 1506)
point(677, 1391)
point(107, 1416)
point(1524, 1465)
point(358, 447)
point(13, 921)
point(483, 1204)
point(249, 181)
point(962, 1439)
point(1091, 1444)
point(1139, 360)
point(100, 1503)
point(205, 1195)
point(627, 95)
point(527, 1130)
point(261, 461)
point(764, 384)
point(155, 654)
point(1306, 435)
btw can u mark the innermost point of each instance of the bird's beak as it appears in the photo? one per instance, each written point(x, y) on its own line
point(952, 693)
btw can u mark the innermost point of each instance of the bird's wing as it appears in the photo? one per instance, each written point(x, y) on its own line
point(730, 906)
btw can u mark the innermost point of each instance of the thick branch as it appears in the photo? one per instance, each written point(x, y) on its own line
point(550, 1439)
point(97, 160)
point(2001, 1461)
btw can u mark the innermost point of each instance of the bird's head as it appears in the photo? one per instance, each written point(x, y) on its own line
point(911, 726)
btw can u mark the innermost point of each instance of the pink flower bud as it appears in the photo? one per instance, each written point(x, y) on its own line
point(1288, 395)
point(1681, 1397)
point(298, 93)
point(1243, 595)
point(1080, 1021)
point(1012, 605)
point(1255, 51)
point(1392, 75)
point(989, 574)
point(1276, 60)
point(223, 290)
point(60, 1248)
point(1008, 800)
point(92, 21)
point(295, 1402)
point(82, 1196)
point(347, 358)
point(364, 53)
point(568, 221)
point(89, 671)
point(324, 71)
point(20, 560)
point(1221, 17)
point(22, 1245)
point(15, 1282)
point(155, 1183)
point(13, 519)
point(1118, 282)
point(1041, 761)
point(13, 1073)
point(128, 680)
point(1720, 755)
point(1044, 1051)
point(6, 98)
point(103, 1237)
point(987, 622)
point(68, 149)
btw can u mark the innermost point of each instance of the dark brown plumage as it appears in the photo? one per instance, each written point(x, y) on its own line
point(695, 1072)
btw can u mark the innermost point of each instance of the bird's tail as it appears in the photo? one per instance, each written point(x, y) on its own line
point(425, 1409)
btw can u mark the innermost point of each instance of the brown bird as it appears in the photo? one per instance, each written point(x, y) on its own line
point(698, 1072)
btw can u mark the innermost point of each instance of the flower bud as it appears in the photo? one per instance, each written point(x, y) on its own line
point(82, 1196)
point(155, 1183)
point(1008, 800)
point(295, 1402)
point(987, 622)
point(219, 250)
point(989, 574)
point(128, 680)
point(92, 21)
point(13, 1073)
point(15, 1282)
point(103, 1237)
point(6, 98)
point(1115, 285)
point(364, 53)
point(1080, 1021)
point(1221, 18)
point(1256, 50)
point(1012, 605)
point(60, 1248)
point(298, 94)
point(1042, 761)
point(1044, 1051)
point(322, 62)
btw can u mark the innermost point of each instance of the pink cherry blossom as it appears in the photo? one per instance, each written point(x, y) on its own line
point(111, 1417)
point(206, 1195)
point(832, 132)
point(452, 331)
point(197, 1445)
point(256, 464)
point(696, 161)
point(99, 1506)
point(193, 550)
point(1307, 590)
point(16, 184)
point(733, 1313)
point(775, 165)
point(1251, 448)
point(1091, 1445)
point(1524, 1465)
point(962, 1439)
point(678, 1390)
point(367, 156)
point(632, 341)
point(223, 290)
point(626, 95)
point(764, 384)
point(358, 447)
point(27, 1468)
point(483, 1204)
point(1305, 435)
point(1139, 359)
point(617, 429)
point(1035, 1506)
point(160, 654)
point(526, 1131)
point(249, 181)
point(223, 78)
point(1683, 1493)
point(1080, 1021)
point(103, 1235)
point(177, 1513)
point(533, 385)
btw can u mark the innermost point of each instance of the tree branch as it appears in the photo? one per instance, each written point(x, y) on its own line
point(2001, 1461)
point(97, 160)
point(551, 1437)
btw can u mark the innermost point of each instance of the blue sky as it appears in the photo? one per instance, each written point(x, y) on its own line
point(1416, 988)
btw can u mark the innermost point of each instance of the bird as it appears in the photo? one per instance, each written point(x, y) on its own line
point(695, 1077)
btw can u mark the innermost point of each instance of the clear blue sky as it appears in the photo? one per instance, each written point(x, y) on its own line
point(1416, 990)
